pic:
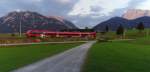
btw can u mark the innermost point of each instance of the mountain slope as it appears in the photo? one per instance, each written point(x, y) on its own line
point(145, 20)
point(31, 20)
point(113, 23)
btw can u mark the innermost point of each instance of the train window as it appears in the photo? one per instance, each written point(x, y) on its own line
point(37, 33)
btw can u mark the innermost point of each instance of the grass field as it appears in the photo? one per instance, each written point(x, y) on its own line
point(18, 56)
point(129, 34)
point(119, 56)
point(9, 39)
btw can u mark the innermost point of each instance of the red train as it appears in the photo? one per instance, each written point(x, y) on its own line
point(45, 33)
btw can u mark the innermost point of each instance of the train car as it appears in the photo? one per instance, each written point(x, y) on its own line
point(45, 33)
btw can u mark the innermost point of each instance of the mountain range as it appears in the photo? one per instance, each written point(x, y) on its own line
point(129, 20)
point(115, 22)
point(32, 20)
point(135, 13)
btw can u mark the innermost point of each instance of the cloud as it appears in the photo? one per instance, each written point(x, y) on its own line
point(85, 7)
point(64, 1)
point(82, 12)
point(46, 7)
point(145, 5)
point(93, 12)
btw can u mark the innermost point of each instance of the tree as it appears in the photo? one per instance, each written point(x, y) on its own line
point(13, 34)
point(106, 28)
point(120, 30)
point(86, 29)
point(140, 27)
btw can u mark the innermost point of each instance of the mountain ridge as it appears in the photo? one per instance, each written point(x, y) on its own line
point(10, 23)
point(135, 13)
point(115, 22)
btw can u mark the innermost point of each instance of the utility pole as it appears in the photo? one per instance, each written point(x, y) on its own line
point(20, 26)
point(147, 32)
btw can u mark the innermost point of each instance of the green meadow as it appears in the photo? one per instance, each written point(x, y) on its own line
point(119, 56)
point(13, 57)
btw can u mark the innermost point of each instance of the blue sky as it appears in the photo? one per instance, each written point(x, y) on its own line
point(82, 12)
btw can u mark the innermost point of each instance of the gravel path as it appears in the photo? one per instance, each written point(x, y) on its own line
point(68, 61)
point(40, 43)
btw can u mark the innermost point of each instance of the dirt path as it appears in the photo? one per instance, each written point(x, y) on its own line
point(69, 61)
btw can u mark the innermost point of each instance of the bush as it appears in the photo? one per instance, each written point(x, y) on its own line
point(103, 39)
point(13, 34)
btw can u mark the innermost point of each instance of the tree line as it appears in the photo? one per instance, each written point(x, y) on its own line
point(121, 30)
